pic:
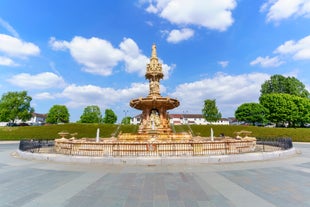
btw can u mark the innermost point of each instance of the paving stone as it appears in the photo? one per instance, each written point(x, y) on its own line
point(27, 183)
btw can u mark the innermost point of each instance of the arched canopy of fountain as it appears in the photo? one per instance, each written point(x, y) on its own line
point(158, 104)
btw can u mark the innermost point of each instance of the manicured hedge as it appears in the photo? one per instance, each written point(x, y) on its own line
point(297, 134)
point(108, 130)
point(51, 131)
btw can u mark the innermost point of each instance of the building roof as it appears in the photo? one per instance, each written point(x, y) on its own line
point(186, 116)
point(39, 115)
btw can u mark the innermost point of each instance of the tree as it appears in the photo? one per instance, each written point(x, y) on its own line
point(252, 112)
point(210, 111)
point(282, 108)
point(303, 111)
point(58, 114)
point(14, 106)
point(91, 114)
point(288, 85)
point(126, 120)
point(109, 117)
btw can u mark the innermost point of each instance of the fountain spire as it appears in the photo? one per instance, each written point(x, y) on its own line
point(154, 73)
point(154, 54)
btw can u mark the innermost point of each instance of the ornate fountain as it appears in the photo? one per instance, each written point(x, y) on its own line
point(154, 121)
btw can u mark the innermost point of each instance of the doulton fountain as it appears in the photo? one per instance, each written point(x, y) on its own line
point(155, 136)
point(154, 121)
point(154, 107)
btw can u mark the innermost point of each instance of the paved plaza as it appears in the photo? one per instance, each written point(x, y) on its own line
point(28, 183)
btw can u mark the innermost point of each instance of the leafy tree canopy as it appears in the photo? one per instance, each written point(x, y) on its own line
point(109, 117)
point(251, 113)
point(285, 108)
point(126, 120)
point(288, 85)
point(58, 114)
point(210, 111)
point(303, 111)
point(91, 114)
point(15, 105)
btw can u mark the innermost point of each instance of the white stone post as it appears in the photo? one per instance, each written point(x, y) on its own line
point(97, 137)
point(212, 138)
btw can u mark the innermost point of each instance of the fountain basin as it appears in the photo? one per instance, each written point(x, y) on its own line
point(153, 148)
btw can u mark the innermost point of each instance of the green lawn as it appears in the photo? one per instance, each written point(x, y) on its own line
point(108, 130)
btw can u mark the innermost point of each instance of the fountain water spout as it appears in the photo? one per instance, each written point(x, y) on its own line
point(97, 137)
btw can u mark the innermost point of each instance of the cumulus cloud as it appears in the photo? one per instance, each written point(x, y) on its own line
point(176, 36)
point(7, 61)
point(298, 49)
point(58, 45)
point(98, 56)
point(228, 90)
point(282, 9)
point(80, 96)
point(134, 60)
point(39, 81)
point(224, 64)
point(210, 14)
point(267, 62)
point(15, 47)
point(43, 96)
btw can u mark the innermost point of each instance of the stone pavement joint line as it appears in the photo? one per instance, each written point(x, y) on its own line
point(239, 196)
point(278, 182)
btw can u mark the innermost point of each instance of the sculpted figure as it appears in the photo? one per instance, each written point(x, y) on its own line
point(154, 87)
point(154, 119)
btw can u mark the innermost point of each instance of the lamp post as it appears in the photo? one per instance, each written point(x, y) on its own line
point(184, 119)
point(125, 111)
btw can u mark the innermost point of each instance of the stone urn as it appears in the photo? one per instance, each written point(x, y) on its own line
point(63, 134)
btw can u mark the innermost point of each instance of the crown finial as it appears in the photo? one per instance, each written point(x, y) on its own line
point(154, 50)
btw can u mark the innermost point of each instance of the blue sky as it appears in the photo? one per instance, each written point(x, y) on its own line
point(94, 52)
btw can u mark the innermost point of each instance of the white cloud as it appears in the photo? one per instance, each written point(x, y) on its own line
point(98, 56)
point(152, 9)
point(9, 28)
point(39, 81)
point(224, 64)
point(167, 69)
point(298, 49)
point(267, 62)
point(43, 96)
point(58, 45)
point(282, 9)
point(229, 92)
point(176, 36)
point(15, 47)
point(134, 60)
point(211, 14)
point(151, 24)
point(7, 61)
point(80, 96)
point(308, 87)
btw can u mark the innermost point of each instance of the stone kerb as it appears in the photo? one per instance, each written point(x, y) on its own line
point(213, 159)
